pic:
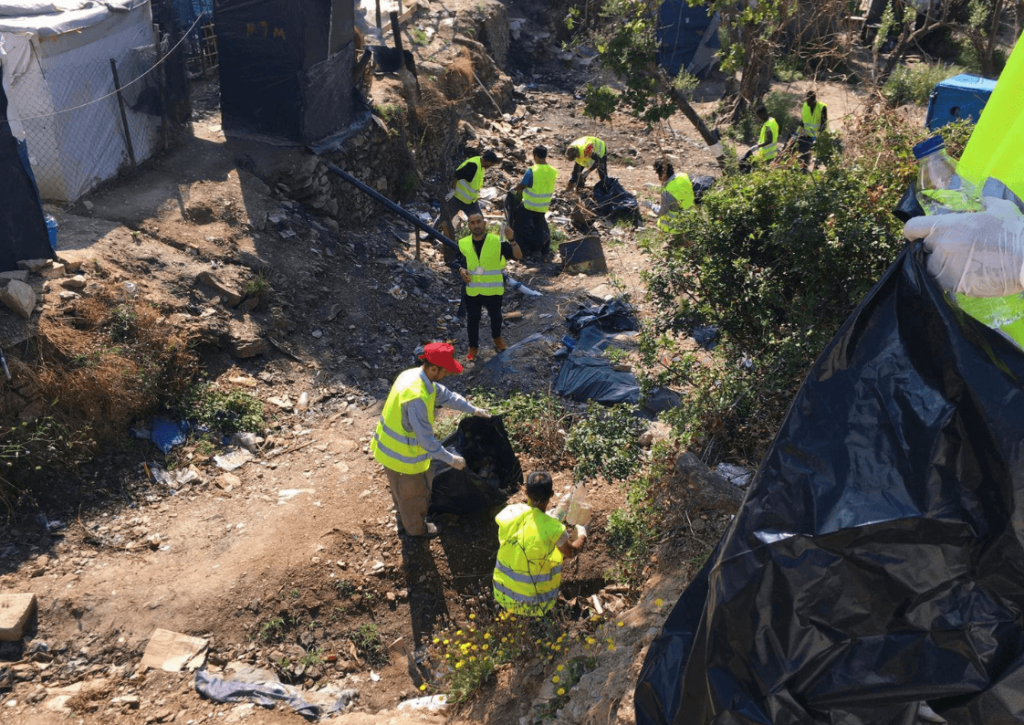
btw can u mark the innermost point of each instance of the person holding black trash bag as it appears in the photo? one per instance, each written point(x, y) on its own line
point(404, 441)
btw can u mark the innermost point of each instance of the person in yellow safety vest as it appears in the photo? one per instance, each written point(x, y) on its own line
point(979, 256)
point(676, 194)
point(588, 153)
point(469, 179)
point(813, 120)
point(768, 140)
point(537, 187)
point(531, 548)
point(404, 441)
point(482, 261)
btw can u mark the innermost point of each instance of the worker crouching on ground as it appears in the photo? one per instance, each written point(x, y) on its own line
point(676, 195)
point(532, 545)
point(537, 187)
point(469, 179)
point(404, 442)
point(480, 265)
point(588, 153)
point(767, 146)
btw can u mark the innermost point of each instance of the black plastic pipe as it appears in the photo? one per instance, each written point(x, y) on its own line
point(377, 196)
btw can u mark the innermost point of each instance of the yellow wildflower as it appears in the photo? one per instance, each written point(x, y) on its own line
point(621, 624)
point(423, 687)
point(556, 679)
point(561, 690)
point(472, 616)
point(658, 602)
point(458, 665)
point(560, 668)
point(611, 648)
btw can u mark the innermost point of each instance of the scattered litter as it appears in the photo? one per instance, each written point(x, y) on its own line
point(614, 316)
point(232, 458)
point(248, 441)
point(287, 493)
point(167, 434)
point(186, 476)
point(431, 703)
point(251, 684)
point(398, 293)
point(514, 284)
point(736, 475)
point(282, 403)
point(158, 474)
point(171, 651)
point(374, 676)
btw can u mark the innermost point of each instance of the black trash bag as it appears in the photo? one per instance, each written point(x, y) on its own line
point(614, 202)
point(614, 316)
point(908, 206)
point(492, 473)
point(587, 375)
point(701, 186)
point(878, 559)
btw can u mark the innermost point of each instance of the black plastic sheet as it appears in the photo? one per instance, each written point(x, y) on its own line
point(492, 473)
point(614, 202)
point(877, 559)
point(614, 316)
point(701, 186)
point(587, 375)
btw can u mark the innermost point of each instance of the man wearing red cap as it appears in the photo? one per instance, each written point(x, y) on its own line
point(404, 442)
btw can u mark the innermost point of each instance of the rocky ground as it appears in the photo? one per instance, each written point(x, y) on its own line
point(291, 562)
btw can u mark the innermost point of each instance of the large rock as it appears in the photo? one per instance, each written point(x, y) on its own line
point(19, 274)
point(244, 339)
point(15, 612)
point(229, 295)
point(19, 297)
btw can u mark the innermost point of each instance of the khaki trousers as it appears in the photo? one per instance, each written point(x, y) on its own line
point(411, 494)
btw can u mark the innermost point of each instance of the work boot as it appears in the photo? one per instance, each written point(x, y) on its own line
point(430, 533)
point(471, 355)
point(499, 344)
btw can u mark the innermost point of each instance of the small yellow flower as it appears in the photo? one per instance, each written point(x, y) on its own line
point(556, 679)
point(447, 657)
point(487, 636)
point(486, 646)
point(658, 602)
point(611, 648)
point(560, 668)
point(591, 640)
point(472, 616)
point(459, 633)
point(475, 648)
point(561, 690)
point(436, 640)
point(446, 641)
point(472, 659)
point(504, 640)
point(621, 624)
point(423, 687)
point(458, 665)
point(609, 640)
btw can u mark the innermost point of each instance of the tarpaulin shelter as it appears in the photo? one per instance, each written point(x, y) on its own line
point(877, 562)
point(60, 87)
point(285, 68)
point(687, 38)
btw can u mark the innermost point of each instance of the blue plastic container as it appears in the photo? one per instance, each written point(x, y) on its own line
point(962, 96)
point(51, 230)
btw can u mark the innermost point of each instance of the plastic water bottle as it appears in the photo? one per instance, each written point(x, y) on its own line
point(939, 189)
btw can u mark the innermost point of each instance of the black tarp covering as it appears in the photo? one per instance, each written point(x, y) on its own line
point(614, 316)
point(587, 374)
point(877, 559)
point(285, 68)
point(22, 227)
point(614, 202)
point(492, 471)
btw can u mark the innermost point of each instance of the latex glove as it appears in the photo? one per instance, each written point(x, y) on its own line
point(458, 463)
point(978, 254)
point(481, 413)
point(449, 196)
point(581, 531)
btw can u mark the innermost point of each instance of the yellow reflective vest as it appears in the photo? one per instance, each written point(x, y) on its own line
point(681, 189)
point(393, 446)
point(588, 149)
point(469, 191)
point(812, 119)
point(484, 271)
point(994, 162)
point(767, 152)
point(538, 196)
point(528, 571)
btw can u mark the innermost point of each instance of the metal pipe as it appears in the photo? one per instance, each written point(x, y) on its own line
point(377, 196)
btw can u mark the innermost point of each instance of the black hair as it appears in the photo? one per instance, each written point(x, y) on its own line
point(539, 486)
point(572, 152)
point(761, 111)
point(489, 155)
point(663, 167)
point(541, 152)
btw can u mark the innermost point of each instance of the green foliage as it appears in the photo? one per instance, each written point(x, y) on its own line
point(633, 529)
point(419, 36)
point(535, 422)
point(390, 112)
point(272, 629)
point(258, 286)
point(686, 82)
point(368, 643)
point(606, 442)
point(123, 322)
point(913, 84)
point(409, 184)
point(782, 105)
point(967, 57)
point(26, 449)
point(601, 102)
point(789, 68)
point(885, 27)
point(225, 411)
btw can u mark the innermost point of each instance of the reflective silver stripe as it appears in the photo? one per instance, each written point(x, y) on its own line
point(524, 599)
point(485, 284)
point(407, 440)
point(398, 456)
point(537, 197)
point(465, 189)
point(526, 578)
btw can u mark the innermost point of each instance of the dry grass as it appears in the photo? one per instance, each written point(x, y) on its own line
point(458, 77)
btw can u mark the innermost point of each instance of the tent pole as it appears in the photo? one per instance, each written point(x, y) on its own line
point(124, 116)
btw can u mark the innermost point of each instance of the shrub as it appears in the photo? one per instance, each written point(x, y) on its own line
point(913, 84)
point(369, 644)
point(606, 442)
point(225, 411)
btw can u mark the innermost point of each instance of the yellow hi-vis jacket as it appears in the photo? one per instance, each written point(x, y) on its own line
point(768, 151)
point(588, 149)
point(538, 196)
point(528, 571)
point(484, 271)
point(812, 119)
point(993, 162)
point(681, 189)
point(469, 191)
point(393, 446)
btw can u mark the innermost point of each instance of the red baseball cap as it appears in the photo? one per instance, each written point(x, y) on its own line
point(443, 355)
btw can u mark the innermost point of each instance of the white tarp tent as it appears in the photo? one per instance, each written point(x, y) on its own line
point(55, 60)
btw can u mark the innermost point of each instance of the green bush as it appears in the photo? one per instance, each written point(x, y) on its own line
point(633, 529)
point(605, 442)
point(224, 411)
point(913, 84)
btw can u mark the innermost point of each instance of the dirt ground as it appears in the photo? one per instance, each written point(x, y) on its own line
point(300, 549)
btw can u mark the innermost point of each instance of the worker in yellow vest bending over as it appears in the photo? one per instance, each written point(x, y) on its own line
point(537, 187)
point(404, 441)
point(531, 548)
point(481, 261)
point(768, 139)
point(469, 179)
point(979, 256)
point(813, 120)
point(676, 194)
point(588, 153)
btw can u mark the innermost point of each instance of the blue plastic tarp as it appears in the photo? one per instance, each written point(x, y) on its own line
point(687, 37)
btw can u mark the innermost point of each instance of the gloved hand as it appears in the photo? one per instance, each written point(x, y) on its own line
point(978, 254)
point(449, 196)
point(459, 463)
point(481, 413)
point(581, 535)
